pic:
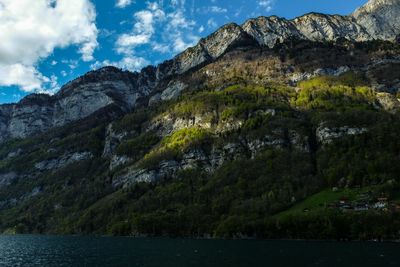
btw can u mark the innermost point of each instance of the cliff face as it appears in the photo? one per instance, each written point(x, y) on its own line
point(76, 100)
point(378, 19)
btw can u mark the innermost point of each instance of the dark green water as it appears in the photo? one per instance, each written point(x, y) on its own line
point(112, 251)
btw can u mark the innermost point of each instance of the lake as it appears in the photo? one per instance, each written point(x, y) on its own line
point(31, 250)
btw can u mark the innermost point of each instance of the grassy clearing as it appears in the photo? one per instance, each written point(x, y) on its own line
point(319, 201)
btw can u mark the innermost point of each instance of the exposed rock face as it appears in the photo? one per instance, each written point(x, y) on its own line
point(63, 161)
point(7, 178)
point(190, 160)
point(30, 115)
point(173, 90)
point(14, 154)
point(5, 115)
point(167, 124)
point(297, 77)
point(207, 50)
point(326, 135)
point(378, 19)
point(76, 100)
point(228, 36)
point(270, 31)
point(389, 102)
point(212, 160)
point(312, 27)
point(113, 139)
point(117, 160)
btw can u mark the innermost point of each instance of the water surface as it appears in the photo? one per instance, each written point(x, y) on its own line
point(30, 250)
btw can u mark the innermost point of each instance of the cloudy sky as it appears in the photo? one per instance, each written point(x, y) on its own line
point(46, 43)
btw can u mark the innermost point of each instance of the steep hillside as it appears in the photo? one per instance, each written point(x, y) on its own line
point(276, 128)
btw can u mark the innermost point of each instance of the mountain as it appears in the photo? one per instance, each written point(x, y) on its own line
point(108, 86)
point(259, 130)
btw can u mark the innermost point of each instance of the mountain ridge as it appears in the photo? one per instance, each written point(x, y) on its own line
point(77, 100)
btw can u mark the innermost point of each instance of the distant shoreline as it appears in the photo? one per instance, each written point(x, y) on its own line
point(211, 238)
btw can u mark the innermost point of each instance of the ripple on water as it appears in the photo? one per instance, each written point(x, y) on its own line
point(108, 251)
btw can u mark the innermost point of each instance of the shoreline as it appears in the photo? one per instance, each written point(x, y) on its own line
point(214, 239)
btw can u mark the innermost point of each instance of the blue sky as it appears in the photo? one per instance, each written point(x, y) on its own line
point(46, 44)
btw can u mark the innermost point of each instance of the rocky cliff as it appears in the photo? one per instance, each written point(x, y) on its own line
point(76, 100)
point(378, 19)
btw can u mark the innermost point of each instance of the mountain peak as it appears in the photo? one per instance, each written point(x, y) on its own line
point(374, 5)
point(380, 18)
point(379, 8)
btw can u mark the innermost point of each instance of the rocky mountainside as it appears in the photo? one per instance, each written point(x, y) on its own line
point(259, 130)
point(377, 20)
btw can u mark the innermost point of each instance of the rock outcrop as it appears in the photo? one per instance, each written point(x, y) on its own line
point(211, 160)
point(7, 178)
point(326, 135)
point(389, 102)
point(62, 161)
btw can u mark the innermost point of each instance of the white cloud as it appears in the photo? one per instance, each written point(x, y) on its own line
point(211, 23)
point(72, 64)
point(179, 31)
point(217, 9)
point(162, 48)
point(131, 63)
point(123, 3)
point(127, 40)
point(212, 9)
point(178, 3)
point(177, 20)
point(28, 78)
point(142, 31)
point(17, 96)
point(104, 33)
point(176, 33)
point(53, 85)
point(266, 4)
point(180, 44)
point(238, 12)
point(31, 30)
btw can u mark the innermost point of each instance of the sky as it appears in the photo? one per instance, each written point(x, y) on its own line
point(46, 43)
